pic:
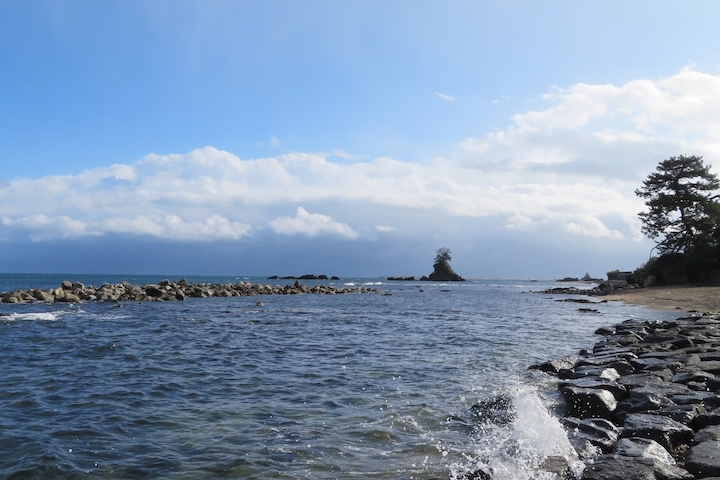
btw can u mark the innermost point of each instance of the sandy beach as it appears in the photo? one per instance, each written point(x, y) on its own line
point(676, 297)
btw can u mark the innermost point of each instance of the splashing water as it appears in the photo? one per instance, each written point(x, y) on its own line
point(516, 451)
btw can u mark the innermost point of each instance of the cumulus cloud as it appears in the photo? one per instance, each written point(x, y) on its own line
point(569, 167)
point(39, 227)
point(447, 98)
point(310, 224)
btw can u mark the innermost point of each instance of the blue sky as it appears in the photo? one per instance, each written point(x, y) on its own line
point(349, 138)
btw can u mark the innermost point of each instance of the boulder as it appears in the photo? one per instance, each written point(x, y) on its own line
point(498, 410)
point(616, 467)
point(704, 459)
point(598, 432)
point(557, 365)
point(667, 432)
point(589, 402)
point(618, 391)
point(643, 447)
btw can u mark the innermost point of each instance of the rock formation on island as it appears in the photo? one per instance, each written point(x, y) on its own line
point(443, 271)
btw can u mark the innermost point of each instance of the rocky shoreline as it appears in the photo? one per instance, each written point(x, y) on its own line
point(644, 403)
point(165, 290)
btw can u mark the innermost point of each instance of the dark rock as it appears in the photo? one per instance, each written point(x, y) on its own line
point(707, 419)
point(588, 310)
point(641, 402)
point(558, 466)
point(498, 410)
point(696, 376)
point(444, 273)
point(322, 277)
point(153, 291)
point(604, 331)
point(618, 391)
point(621, 365)
point(475, 475)
point(709, 399)
point(685, 414)
point(713, 384)
point(308, 277)
point(274, 277)
point(598, 432)
point(704, 459)
point(576, 300)
point(557, 365)
point(587, 371)
point(667, 432)
point(643, 447)
point(589, 402)
point(711, 433)
point(616, 467)
point(334, 278)
point(655, 364)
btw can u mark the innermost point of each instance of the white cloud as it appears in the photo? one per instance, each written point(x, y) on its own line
point(40, 227)
point(381, 228)
point(174, 227)
point(571, 167)
point(310, 224)
point(274, 142)
point(447, 98)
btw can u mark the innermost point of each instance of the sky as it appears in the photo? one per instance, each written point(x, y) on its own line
point(349, 138)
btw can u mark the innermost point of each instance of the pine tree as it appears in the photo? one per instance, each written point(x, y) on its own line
point(682, 210)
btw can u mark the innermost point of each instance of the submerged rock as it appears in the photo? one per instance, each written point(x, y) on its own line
point(498, 410)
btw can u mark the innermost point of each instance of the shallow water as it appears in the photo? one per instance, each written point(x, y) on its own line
point(307, 386)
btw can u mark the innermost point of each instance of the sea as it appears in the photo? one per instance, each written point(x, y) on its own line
point(355, 386)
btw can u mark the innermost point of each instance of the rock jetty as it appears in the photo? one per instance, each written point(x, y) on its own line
point(73, 292)
point(644, 403)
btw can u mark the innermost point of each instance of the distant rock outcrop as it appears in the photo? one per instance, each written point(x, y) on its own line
point(444, 273)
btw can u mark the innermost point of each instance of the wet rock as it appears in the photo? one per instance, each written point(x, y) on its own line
point(579, 372)
point(685, 414)
point(598, 432)
point(703, 460)
point(498, 410)
point(667, 432)
point(711, 433)
point(557, 365)
point(558, 466)
point(616, 467)
point(589, 402)
point(643, 447)
point(641, 402)
point(618, 391)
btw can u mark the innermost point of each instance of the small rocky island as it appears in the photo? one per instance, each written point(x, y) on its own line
point(443, 271)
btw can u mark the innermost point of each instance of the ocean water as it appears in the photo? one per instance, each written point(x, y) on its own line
point(306, 386)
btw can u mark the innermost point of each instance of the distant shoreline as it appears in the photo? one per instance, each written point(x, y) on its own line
point(671, 297)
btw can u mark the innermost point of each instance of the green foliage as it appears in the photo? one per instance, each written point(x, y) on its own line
point(613, 274)
point(442, 255)
point(682, 212)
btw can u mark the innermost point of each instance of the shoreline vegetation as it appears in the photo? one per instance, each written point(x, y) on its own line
point(166, 290)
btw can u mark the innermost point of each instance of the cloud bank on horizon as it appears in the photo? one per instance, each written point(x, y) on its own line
point(568, 168)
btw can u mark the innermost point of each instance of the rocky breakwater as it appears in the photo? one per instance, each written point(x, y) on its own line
point(73, 292)
point(644, 403)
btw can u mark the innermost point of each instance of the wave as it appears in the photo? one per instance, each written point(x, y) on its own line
point(517, 450)
point(46, 316)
